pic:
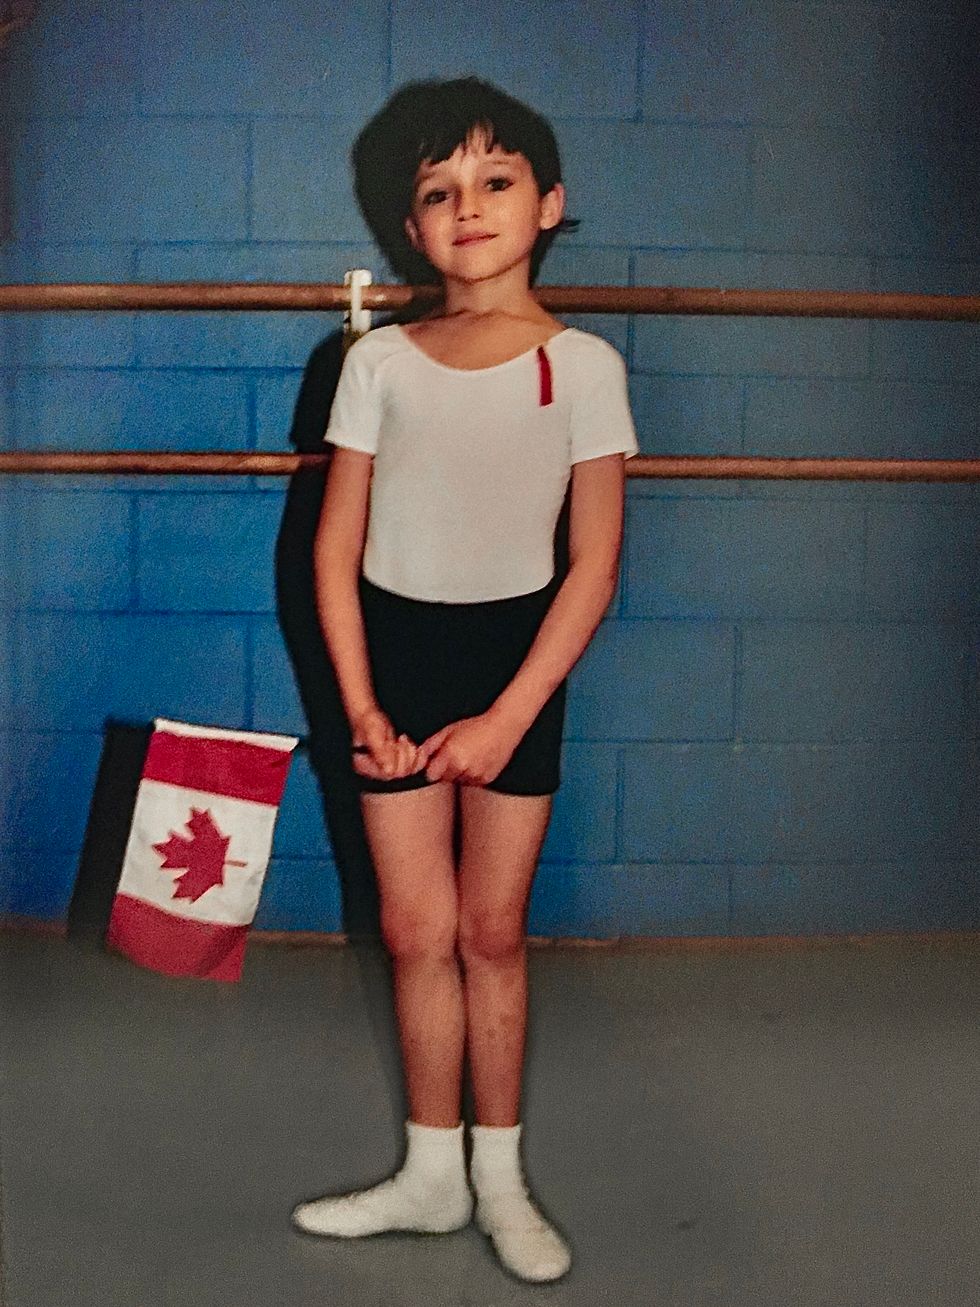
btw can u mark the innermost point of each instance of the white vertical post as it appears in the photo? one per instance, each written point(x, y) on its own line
point(357, 320)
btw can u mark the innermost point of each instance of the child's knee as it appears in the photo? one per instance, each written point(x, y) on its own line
point(422, 930)
point(490, 936)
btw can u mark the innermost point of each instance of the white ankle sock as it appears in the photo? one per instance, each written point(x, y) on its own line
point(524, 1241)
point(428, 1193)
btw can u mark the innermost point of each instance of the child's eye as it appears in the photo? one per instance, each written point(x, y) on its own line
point(506, 181)
point(433, 197)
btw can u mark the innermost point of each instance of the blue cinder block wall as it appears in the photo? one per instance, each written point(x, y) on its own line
point(776, 727)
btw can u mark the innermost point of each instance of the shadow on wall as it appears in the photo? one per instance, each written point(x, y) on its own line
point(329, 737)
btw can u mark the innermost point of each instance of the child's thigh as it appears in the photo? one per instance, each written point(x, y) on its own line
point(502, 838)
point(410, 835)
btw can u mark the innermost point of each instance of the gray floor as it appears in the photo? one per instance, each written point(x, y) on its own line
point(707, 1128)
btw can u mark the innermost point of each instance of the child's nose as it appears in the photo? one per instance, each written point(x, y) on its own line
point(467, 204)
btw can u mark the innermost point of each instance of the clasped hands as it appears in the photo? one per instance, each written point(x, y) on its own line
point(473, 750)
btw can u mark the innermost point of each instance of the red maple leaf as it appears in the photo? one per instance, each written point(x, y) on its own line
point(203, 854)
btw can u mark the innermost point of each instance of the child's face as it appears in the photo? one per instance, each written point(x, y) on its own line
point(476, 193)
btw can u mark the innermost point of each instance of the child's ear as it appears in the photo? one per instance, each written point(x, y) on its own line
point(412, 232)
point(552, 207)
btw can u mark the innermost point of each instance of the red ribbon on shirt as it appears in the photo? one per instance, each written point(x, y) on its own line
point(544, 368)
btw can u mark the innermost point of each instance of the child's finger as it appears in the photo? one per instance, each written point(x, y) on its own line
point(381, 756)
point(391, 757)
point(428, 747)
point(406, 753)
point(365, 765)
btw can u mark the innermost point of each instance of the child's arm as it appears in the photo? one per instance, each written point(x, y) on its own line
point(476, 749)
point(595, 538)
point(337, 552)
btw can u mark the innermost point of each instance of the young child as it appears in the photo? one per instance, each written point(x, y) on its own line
point(456, 438)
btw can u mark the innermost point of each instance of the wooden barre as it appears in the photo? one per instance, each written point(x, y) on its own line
point(245, 463)
point(40, 297)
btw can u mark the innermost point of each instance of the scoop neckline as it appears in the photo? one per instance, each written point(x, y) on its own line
point(467, 372)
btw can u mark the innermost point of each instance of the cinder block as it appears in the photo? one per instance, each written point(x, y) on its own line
point(55, 340)
point(849, 418)
point(46, 801)
point(300, 829)
point(818, 190)
point(9, 499)
point(743, 559)
point(794, 560)
point(855, 898)
point(583, 819)
point(300, 894)
point(571, 264)
point(198, 554)
point(675, 561)
point(926, 67)
point(926, 351)
point(966, 842)
point(167, 179)
point(664, 197)
point(844, 681)
point(687, 415)
point(642, 900)
point(288, 58)
point(972, 719)
point(790, 802)
point(686, 343)
point(643, 680)
point(302, 182)
point(746, 65)
point(26, 892)
point(130, 667)
point(6, 397)
point(6, 670)
point(276, 702)
point(815, 417)
point(135, 409)
point(577, 59)
point(73, 549)
point(86, 59)
point(923, 564)
point(276, 396)
point(928, 182)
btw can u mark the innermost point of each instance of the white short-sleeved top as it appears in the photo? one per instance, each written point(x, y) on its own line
point(471, 465)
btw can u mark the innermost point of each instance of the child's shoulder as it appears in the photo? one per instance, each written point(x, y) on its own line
point(377, 343)
point(589, 352)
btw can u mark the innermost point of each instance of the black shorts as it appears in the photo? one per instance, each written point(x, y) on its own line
point(433, 663)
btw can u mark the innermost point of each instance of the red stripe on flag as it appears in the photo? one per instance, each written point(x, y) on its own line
point(544, 367)
point(176, 946)
point(234, 768)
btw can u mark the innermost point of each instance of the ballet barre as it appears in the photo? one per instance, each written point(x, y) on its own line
point(299, 296)
point(358, 297)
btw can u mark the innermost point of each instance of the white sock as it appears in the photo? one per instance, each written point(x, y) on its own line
point(524, 1241)
point(429, 1193)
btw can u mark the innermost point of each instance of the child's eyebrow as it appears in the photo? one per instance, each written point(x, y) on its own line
point(426, 171)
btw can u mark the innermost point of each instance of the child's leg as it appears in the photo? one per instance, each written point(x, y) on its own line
point(410, 836)
point(502, 835)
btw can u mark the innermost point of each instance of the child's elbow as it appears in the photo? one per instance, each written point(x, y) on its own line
point(599, 575)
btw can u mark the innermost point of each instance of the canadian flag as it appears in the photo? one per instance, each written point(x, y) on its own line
point(198, 848)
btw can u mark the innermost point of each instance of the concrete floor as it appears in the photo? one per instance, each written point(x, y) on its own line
point(712, 1127)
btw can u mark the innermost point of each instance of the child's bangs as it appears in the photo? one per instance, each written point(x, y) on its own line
point(444, 140)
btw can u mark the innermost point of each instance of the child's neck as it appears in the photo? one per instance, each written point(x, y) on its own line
point(507, 296)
